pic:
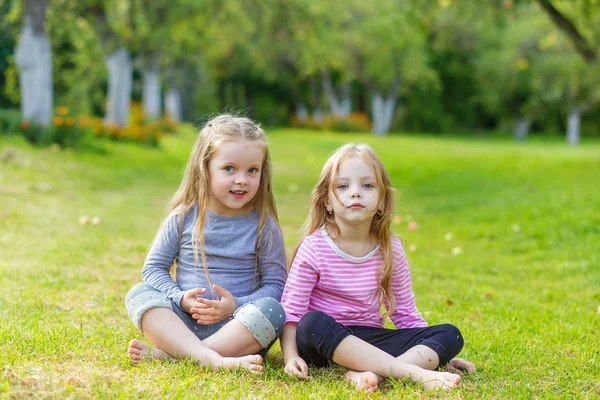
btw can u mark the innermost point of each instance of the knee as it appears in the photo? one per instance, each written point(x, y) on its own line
point(138, 288)
point(314, 324)
point(454, 336)
point(140, 299)
point(452, 339)
point(264, 318)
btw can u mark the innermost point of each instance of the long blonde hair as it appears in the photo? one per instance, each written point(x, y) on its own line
point(195, 185)
point(380, 226)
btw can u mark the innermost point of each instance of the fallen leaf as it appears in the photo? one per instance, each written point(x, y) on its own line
point(449, 302)
point(76, 381)
point(488, 295)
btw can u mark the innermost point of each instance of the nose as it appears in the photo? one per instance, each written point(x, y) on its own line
point(355, 194)
point(241, 179)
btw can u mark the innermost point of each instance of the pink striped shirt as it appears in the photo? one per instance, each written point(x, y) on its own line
point(325, 278)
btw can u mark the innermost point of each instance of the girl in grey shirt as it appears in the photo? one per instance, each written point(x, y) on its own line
point(215, 272)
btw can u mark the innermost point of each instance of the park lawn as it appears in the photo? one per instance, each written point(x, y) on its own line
point(507, 249)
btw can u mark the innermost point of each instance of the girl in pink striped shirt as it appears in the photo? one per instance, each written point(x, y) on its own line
point(347, 267)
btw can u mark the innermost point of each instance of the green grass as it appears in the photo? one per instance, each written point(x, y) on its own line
point(527, 302)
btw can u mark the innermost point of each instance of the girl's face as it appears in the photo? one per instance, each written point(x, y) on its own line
point(357, 193)
point(235, 170)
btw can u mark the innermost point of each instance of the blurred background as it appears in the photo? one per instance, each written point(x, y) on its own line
point(133, 68)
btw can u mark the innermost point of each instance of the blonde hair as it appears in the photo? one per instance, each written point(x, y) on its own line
point(382, 220)
point(195, 185)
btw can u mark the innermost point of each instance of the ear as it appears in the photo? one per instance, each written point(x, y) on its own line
point(328, 208)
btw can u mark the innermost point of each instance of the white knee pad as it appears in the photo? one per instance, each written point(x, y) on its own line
point(264, 318)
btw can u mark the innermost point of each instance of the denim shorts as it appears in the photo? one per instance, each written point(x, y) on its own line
point(264, 317)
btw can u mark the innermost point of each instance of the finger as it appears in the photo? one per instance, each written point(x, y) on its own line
point(206, 322)
point(299, 374)
point(201, 317)
point(203, 311)
point(209, 303)
point(304, 369)
point(222, 291)
point(198, 291)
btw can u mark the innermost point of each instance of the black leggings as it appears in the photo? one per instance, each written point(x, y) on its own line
point(318, 335)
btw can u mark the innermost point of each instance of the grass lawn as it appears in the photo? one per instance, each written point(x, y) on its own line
point(507, 249)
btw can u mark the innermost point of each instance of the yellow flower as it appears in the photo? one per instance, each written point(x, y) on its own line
point(58, 121)
point(83, 121)
point(62, 110)
point(69, 121)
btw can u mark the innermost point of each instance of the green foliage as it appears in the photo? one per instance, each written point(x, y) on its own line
point(10, 121)
point(459, 65)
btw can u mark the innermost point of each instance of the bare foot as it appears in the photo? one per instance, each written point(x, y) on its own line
point(439, 380)
point(252, 363)
point(139, 350)
point(366, 381)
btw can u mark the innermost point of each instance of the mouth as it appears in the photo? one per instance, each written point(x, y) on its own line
point(356, 205)
point(238, 194)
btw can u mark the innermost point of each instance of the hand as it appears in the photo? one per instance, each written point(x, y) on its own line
point(458, 365)
point(189, 299)
point(208, 312)
point(297, 367)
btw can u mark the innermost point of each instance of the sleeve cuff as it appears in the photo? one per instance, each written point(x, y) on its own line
point(177, 298)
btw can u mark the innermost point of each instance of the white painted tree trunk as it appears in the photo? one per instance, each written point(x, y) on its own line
point(301, 112)
point(340, 107)
point(33, 58)
point(120, 72)
point(317, 116)
point(383, 111)
point(522, 125)
point(151, 89)
point(173, 104)
point(573, 126)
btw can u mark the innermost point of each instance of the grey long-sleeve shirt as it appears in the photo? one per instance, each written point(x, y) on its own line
point(230, 258)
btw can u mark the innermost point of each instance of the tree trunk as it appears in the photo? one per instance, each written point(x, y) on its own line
point(151, 90)
point(340, 107)
point(33, 58)
point(383, 112)
point(522, 125)
point(119, 87)
point(301, 112)
point(383, 108)
point(173, 104)
point(573, 124)
point(315, 99)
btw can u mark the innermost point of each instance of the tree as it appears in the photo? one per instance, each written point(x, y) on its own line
point(390, 56)
point(34, 60)
point(580, 95)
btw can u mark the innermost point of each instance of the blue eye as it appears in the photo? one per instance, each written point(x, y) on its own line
point(342, 186)
point(253, 170)
point(228, 168)
point(368, 186)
